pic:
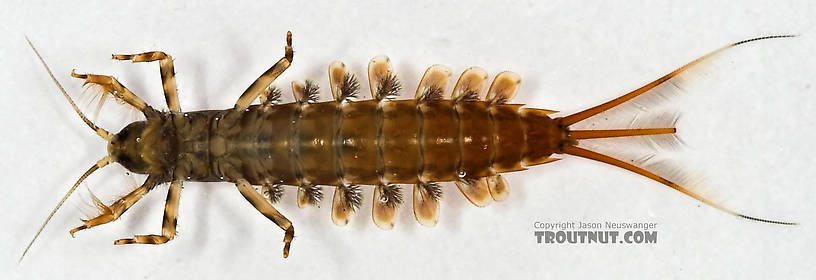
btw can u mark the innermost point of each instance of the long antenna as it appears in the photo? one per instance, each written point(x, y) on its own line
point(103, 133)
point(99, 164)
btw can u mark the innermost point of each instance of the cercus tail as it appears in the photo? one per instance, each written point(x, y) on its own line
point(571, 147)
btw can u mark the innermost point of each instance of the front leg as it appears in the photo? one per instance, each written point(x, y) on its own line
point(269, 211)
point(266, 79)
point(112, 86)
point(168, 222)
point(115, 210)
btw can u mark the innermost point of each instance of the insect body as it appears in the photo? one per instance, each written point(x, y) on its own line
point(469, 138)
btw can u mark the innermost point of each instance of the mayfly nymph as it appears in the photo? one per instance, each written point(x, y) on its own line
point(468, 132)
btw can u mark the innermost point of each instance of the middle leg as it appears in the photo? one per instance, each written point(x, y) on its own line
point(168, 75)
point(168, 222)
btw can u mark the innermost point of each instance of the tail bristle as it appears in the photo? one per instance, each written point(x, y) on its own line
point(584, 153)
point(648, 129)
point(656, 84)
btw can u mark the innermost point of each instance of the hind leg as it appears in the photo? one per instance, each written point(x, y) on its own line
point(269, 211)
point(260, 85)
point(111, 86)
point(167, 74)
point(168, 222)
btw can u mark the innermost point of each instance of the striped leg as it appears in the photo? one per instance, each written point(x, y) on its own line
point(262, 83)
point(168, 223)
point(113, 212)
point(263, 206)
point(167, 74)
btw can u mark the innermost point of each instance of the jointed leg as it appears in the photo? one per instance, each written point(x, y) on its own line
point(266, 79)
point(167, 74)
point(113, 212)
point(111, 86)
point(168, 223)
point(269, 211)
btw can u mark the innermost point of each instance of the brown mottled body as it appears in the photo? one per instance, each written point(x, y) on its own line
point(296, 144)
point(468, 139)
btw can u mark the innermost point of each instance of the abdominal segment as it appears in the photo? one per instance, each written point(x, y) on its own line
point(467, 139)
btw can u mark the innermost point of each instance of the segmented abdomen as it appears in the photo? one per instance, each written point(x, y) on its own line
point(468, 139)
point(368, 142)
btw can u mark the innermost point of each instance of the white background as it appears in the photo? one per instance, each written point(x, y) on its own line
point(747, 128)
